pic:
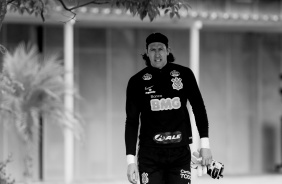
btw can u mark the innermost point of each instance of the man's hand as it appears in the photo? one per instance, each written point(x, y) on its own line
point(132, 173)
point(206, 156)
point(214, 169)
point(196, 163)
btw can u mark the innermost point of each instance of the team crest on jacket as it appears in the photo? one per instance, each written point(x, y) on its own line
point(147, 76)
point(174, 73)
point(177, 83)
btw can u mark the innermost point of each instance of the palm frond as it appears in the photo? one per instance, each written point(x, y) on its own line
point(22, 64)
point(8, 88)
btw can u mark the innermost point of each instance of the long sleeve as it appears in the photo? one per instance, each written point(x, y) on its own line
point(198, 107)
point(132, 117)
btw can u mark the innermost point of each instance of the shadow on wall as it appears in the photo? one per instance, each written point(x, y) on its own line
point(269, 142)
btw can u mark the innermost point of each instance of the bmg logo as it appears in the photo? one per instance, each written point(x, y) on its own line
point(165, 104)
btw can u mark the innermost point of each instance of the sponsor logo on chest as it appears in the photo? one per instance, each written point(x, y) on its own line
point(149, 90)
point(165, 104)
point(147, 76)
point(168, 137)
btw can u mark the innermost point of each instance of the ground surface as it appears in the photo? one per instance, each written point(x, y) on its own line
point(254, 179)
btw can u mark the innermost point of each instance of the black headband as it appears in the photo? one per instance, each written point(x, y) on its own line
point(156, 37)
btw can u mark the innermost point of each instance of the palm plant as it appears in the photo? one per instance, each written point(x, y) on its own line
point(4, 177)
point(32, 88)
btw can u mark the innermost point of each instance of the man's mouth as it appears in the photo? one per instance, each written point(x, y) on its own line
point(158, 60)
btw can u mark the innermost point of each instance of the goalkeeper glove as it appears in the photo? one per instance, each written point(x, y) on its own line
point(214, 170)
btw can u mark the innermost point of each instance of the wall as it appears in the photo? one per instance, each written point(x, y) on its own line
point(239, 80)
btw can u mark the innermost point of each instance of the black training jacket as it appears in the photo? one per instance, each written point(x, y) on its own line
point(159, 98)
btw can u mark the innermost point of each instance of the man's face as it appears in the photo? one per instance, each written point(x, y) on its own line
point(157, 53)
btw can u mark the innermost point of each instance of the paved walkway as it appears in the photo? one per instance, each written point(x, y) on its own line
point(245, 179)
point(259, 179)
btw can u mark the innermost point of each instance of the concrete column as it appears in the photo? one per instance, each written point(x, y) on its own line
point(195, 67)
point(68, 100)
point(195, 48)
point(109, 102)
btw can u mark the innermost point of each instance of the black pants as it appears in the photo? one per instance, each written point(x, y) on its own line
point(164, 165)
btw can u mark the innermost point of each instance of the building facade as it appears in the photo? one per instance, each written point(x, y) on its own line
point(239, 67)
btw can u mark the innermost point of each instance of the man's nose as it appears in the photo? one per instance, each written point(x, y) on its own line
point(157, 53)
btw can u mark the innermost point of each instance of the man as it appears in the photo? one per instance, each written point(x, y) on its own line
point(158, 94)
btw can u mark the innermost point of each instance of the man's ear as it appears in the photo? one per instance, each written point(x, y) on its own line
point(146, 51)
point(168, 50)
